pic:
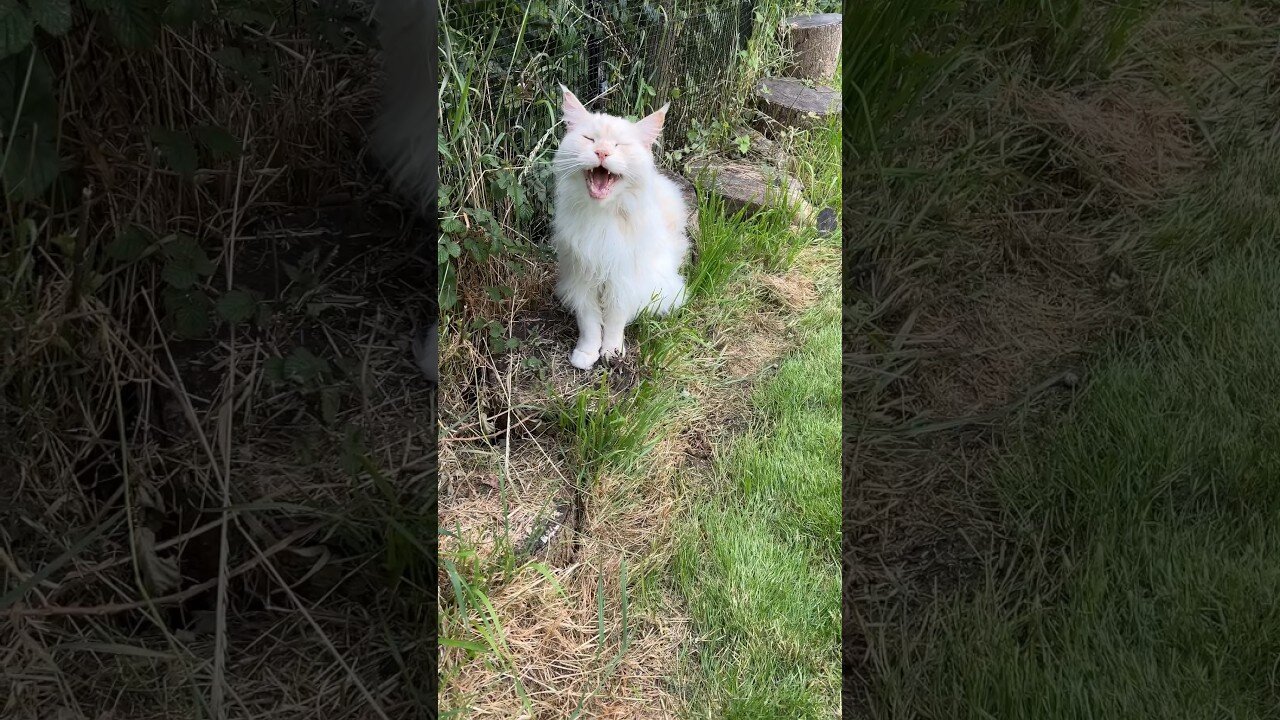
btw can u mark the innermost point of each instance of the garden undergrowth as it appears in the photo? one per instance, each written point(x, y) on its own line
point(623, 438)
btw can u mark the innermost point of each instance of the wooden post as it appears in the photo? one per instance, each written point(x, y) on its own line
point(792, 102)
point(815, 46)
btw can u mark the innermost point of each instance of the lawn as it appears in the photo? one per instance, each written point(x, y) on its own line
point(758, 564)
point(743, 382)
point(1100, 544)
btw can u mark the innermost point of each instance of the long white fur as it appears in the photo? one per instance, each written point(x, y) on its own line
point(620, 255)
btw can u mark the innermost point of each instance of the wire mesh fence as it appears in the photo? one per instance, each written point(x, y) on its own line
point(501, 64)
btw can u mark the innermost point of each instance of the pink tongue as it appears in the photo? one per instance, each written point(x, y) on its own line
point(598, 183)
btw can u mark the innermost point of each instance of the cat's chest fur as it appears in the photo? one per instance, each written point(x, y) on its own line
point(615, 241)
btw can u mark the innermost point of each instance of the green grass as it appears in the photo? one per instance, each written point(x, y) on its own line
point(759, 564)
point(1122, 563)
point(1145, 583)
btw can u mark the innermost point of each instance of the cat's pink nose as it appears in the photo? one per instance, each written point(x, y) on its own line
point(602, 154)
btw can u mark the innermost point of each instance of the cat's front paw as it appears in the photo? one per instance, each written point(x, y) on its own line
point(582, 360)
point(613, 351)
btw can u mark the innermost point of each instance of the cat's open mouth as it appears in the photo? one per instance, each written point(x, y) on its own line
point(600, 182)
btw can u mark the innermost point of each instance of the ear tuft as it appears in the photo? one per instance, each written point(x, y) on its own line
point(650, 127)
point(574, 113)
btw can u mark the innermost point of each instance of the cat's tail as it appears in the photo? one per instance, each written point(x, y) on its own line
point(404, 136)
point(670, 296)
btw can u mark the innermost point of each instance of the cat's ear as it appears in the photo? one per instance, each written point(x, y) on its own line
point(574, 113)
point(650, 128)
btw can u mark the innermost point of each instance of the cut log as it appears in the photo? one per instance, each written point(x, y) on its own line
point(752, 188)
point(762, 147)
point(792, 102)
point(815, 45)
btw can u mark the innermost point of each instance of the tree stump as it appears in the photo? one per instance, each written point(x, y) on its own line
point(752, 188)
point(815, 45)
point(791, 102)
point(763, 148)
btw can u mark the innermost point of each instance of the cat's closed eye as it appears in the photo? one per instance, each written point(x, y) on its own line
point(590, 139)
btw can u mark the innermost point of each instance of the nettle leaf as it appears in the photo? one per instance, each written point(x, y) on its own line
point(184, 13)
point(39, 100)
point(236, 306)
point(273, 369)
point(179, 275)
point(31, 164)
point(185, 262)
point(247, 66)
point(130, 244)
point(185, 247)
point(448, 292)
point(134, 23)
point(53, 16)
point(303, 366)
point(220, 144)
point(188, 312)
point(15, 28)
point(178, 150)
point(248, 16)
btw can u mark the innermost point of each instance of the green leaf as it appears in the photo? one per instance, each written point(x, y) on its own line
point(31, 164)
point(475, 647)
point(248, 16)
point(184, 13)
point(273, 368)
point(15, 28)
point(129, 245)
point(302, 365)
point(188, 312)
point(220, 144)
point(53, 16)
point(134, 23)
point(178, 150)
point(39, 103)
point(248, 66)
point(185, 248)
point(179, 275)
point(236, 306)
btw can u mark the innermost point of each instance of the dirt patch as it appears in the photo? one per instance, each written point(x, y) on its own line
point(793, 290)
point(529, 507)
point(997, 341)
point(1136, 141)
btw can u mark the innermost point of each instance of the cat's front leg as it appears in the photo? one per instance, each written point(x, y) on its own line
point(588, 349)
point(615, 324)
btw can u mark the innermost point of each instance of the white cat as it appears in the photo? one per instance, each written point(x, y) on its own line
point(619, 227)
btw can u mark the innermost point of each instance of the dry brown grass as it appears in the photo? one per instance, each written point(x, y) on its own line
point(497, 484)
point(143, 596)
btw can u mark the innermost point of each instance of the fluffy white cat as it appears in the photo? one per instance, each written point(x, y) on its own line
point(618, 226)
